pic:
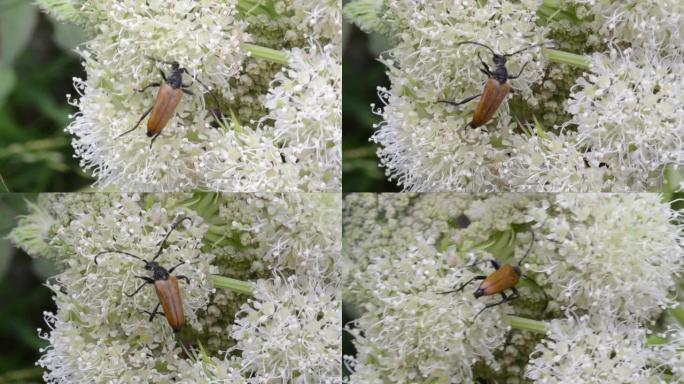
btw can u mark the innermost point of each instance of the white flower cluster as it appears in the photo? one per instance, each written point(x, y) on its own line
point(298, 143)
point(579, 351)
point(616, 128)
point(210, 40)
point(291, 328)
point(98, 334)
point(617, 255)
point(614, 258)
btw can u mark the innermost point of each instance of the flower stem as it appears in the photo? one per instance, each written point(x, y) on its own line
point(267, 54)
point(234, 285)
point(568, 58)
point(526, 324)
point(655, 340)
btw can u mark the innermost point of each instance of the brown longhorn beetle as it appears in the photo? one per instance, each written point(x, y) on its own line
point(504, 277)
point(496, 88)
point(165, 284)
point(168, 98)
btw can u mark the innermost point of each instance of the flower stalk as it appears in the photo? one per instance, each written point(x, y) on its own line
point(234, 285)
point(568, 58)
point(526, 324)
point(267, 54)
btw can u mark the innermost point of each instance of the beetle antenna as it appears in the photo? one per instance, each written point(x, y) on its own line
point(553, 43)
point(121, 252)
point(528, 249)
point(174, 226)
point(476, 43)
point(218, 105)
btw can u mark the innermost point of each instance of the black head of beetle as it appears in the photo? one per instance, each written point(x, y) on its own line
point(158, 272)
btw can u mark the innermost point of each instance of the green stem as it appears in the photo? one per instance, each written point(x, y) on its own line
point(678, 314)
point(568, 58)
point(234, 285)
point(4, 186)
point(35, 145)
point(526, 324)
point(655, 340)
point(22, 375)
point(269, 54)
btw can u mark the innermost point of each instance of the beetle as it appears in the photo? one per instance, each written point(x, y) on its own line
point(165, 284)
point(504, 277)
point(496, 87)
point(167, 100)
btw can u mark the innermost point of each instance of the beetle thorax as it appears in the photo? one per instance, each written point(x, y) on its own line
point(175, 80)
point(500, 72)
point(158, 272)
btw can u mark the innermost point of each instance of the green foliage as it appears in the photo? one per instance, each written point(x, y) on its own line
point(23, 299)
point(36, 70)
point(361, 74)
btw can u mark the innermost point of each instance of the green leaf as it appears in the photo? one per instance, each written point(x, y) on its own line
point(44, 268)
point(68, 36)
point(7, 80)
point(17, 21)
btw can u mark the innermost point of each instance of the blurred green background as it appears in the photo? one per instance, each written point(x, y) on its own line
point(37, 64)
point(23, 298)
point(361, 75)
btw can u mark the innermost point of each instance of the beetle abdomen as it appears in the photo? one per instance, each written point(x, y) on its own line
point(493, 95)
point(165, 105)
point(170, 298)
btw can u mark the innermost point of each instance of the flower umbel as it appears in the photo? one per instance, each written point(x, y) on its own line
point(215, 42)
point(100, 334)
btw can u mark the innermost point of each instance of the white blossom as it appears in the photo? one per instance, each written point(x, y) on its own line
point(613, 259)
point(99, 334)
point(214, 42)
point(614, 128)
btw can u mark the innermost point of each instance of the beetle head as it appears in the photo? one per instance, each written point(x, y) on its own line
point(517, 270)
point(499, 59)
point(175, 65)
point(158, 272)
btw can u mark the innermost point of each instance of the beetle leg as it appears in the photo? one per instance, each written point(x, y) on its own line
point(487, 71)
point(518, 75)
point(495, 264)
point(154, 138)
point(187, 92)
point(147, 281)
point(163, 75)
point(181, 277)
point(480, 277)
point(154, 312)
point(176, 266)
point(504, 299)
point(467, 99)
point(148, 86)
point(138, 123)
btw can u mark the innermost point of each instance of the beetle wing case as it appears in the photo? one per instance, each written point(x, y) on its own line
point(165, 105)
point(500, 280)
point(170, 298)
point(492, 97)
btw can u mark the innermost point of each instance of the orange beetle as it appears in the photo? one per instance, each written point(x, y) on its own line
point(503, 278)
point(165, 285)
point(168, 98)
point(496, 88)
